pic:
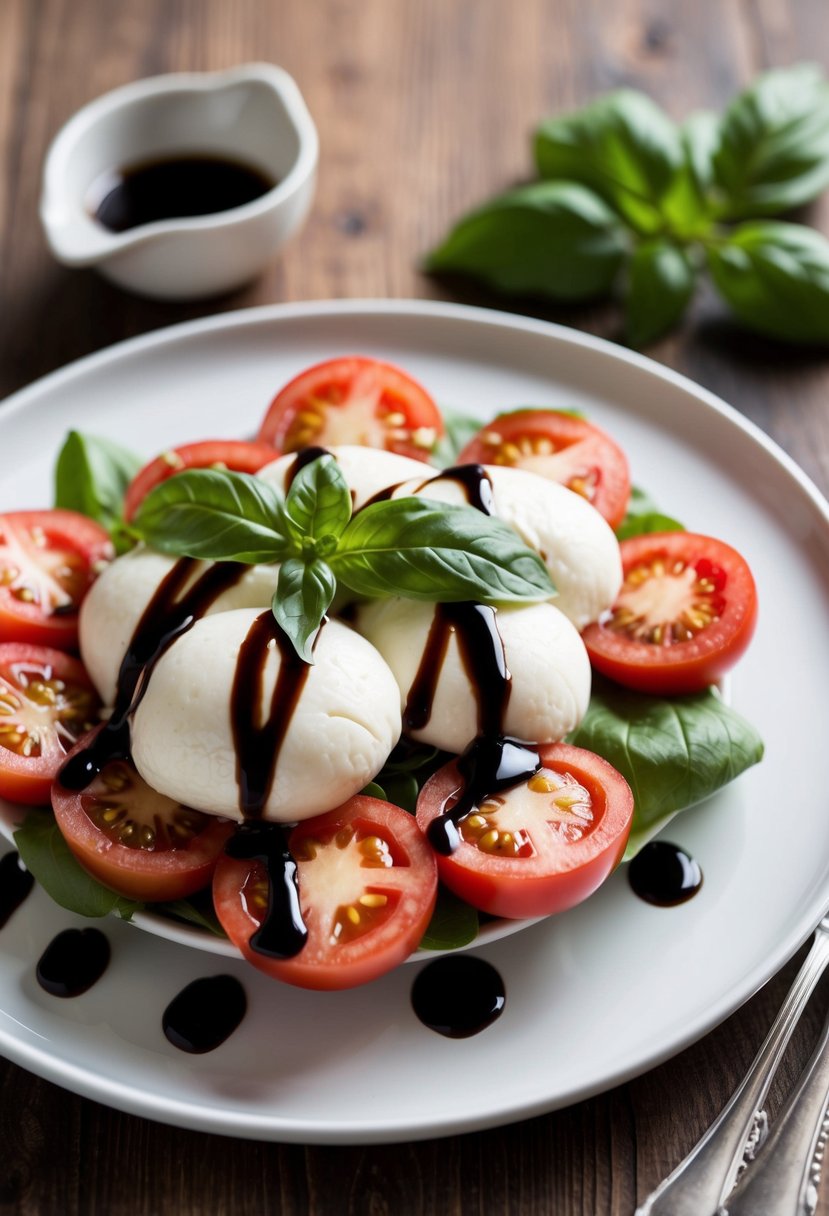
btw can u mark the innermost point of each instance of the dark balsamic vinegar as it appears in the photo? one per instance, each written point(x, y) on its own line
point(205, 1013)
point(665, 875)
point(15, 885)
point(458, 996)
point(174, 188)
point(73, 961)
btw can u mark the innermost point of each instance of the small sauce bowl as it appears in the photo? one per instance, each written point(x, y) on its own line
point(253, 115)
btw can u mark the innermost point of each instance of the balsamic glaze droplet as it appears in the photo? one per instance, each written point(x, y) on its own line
point(282, 933)
point(205, 1013)
point(475, 482)
point(15, 885)
point(73, 961)
point(458, 996)
point(664, 874)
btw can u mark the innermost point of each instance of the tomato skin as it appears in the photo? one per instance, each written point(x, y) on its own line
point(234, 454)
point(686, 666)
point(321, 964)
point(515, 887)
point(160, 875)
point(343, 383)
point(43, 539)
point(28, 779)
point(584, 458)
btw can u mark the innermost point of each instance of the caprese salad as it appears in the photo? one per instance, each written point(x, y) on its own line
point(340, 669)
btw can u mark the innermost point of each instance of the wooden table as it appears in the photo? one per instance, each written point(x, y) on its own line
point(424, 108)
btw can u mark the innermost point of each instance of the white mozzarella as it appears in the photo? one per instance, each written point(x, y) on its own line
point(367, 471)
point(345, 723)
point(544, 654)
point(117, 599)
point(576, 543)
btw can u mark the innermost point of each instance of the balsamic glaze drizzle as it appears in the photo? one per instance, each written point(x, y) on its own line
point(475, 482)
point(282, 932)
point(15, 885)
point(73, 961)
point(664, 874)
point(167, 616)
point(205, 1013)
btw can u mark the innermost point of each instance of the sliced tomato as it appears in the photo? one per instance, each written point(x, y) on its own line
point(47, 702)
point(561, 447)
point(48, 560)
point(233, 454)
point(367, 889)
point(135, 840)
point(542, 846)
point(353, 400)
point(685, 613)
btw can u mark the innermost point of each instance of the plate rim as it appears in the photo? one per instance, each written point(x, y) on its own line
point(216, 1118)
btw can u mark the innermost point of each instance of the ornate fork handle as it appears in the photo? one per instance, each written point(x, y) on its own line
point(700, 1183)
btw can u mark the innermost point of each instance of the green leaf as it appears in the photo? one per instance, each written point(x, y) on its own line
point(460, 429)
point(92, 475)
point(319, 501)
point(672, 752)
point(774, 146)
point(652, 521)
point(46, 854)
point(700, 134)
point(660, 285)
point(453, 924)
point(302, 598)
point(194, 911)
point(553, 239)
point(623, 147)
point(775, 276)
point(425, 550)
point(373, 790)
point(402, 789)
point(217, 515)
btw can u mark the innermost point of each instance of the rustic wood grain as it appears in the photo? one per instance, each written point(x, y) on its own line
point(424, 107)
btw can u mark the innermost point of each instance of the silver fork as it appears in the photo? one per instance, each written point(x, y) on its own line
point(701, 1182)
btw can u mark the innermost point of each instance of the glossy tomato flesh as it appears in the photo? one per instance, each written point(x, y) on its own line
point(684, 616)
point(353, 400)
point(136, 841)
point(233, 454)
point(367, 889)
point(544, 845)
point(48, 560)
point(47, 703)
point(560, 447)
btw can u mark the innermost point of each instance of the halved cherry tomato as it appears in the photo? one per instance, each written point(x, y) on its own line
point(367, 889)
point(48, 560)
point(542, 846)
point(563, 448)
point(135, 840)
point(685, 613)
point(47, 702)
point(233, 454)
point(353, 400)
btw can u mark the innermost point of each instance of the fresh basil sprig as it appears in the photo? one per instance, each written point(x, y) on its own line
point(632, 204)
point(91, 476)
point(410, 546)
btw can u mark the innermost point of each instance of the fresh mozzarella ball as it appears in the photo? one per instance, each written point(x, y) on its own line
point(367, 471)
point(545, 657)
point(577, 545)
point(116, 601)
point(344, 724)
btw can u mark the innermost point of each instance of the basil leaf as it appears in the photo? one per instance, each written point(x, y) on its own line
point(552, 239)
point(672, 752)
point(92, 475)
point(319, 501)
point(215, 514)
point(660, 285)
point(193, 911)
point(46, 854)
point(453, 924)
point(651, 521)
point(402, 789)
point(774, 147)
point(775, 276)
point(460, 429)
point(623, 147)
point(425, 550)
point(373, 790)
point(700, 134)
point(302, 598)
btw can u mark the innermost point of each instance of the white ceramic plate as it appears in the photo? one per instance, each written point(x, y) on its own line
point(593, 996)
